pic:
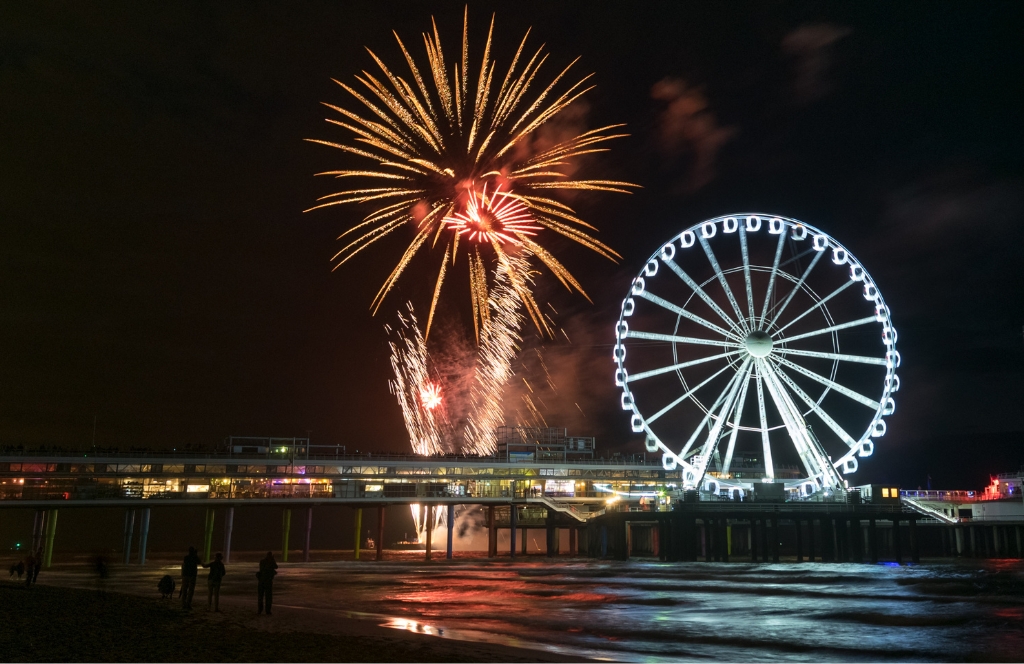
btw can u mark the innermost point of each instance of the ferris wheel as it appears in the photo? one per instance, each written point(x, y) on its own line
point(754, 347)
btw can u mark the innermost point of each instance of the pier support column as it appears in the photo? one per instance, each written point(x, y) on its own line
point(451, 531)
point(958, 534)
point(915, 554)
point(810, 540)
point(765, 522)
point(1020, 554)
point(309, 533)
point(775, 538)
point(857, 540)
point(380, 532)
point(286, 531)
point(752, 540)
point(208, 539)
point(974, 547)
point(572, 543)
point(51, 531)
point(525, 539)
point(37, 531)
point(799, 541)
point(997, 550)
point(430, 532)
point(604, 541)
point(512, 519)
point(229, 523)
point(897, 545)
point(359, 532)
point(143, 535)
point(129, 531)
point(492, 533)
point(873, 540)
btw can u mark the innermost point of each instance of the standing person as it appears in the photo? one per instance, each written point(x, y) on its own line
point(39, 565)
point(265, 589)
point(189, 572)
point(30, 568)
point(217, 573)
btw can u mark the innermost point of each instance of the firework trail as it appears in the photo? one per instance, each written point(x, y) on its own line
point(419, 396)
point(499, 343)
point(433, 147)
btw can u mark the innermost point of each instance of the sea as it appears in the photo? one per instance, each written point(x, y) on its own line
point(652, 611)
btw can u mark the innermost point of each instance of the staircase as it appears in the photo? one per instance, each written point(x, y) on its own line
point(928, 511)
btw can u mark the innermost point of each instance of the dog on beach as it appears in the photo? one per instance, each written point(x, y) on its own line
point(166, 587)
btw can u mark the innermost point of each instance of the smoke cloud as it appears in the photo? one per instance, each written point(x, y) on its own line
point(688, 129)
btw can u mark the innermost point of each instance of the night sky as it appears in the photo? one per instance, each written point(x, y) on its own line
point(157, 272)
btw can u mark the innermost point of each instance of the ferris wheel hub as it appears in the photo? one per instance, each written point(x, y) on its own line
point(758, 344)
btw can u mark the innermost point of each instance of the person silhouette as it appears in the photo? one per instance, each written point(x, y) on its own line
point(189, 572)
point(265, 586)
point(217, 573)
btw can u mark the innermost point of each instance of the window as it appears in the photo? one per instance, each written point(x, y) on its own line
point(885, 492)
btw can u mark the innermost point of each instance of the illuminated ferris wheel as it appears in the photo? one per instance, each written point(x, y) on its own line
point(754, 347)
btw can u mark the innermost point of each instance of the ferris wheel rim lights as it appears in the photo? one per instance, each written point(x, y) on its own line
point(752, 343)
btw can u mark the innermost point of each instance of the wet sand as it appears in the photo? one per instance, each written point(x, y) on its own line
point(57, 624)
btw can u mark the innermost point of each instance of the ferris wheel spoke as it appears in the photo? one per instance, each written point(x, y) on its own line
point(769, 468)
point(798, 256)
point(707, 415)
point(676, 309)
point(740, 318)
point(831, 356)
point(711, 443)
point(820, 303)
point(746, 272)
point(833, 328)
point(663, 370)
point(686, 395)
point(702, 294)
point(771, 279)
point(653, 336)
point(825, 417)
point(796, 287)
point(795, 425)
point(856, 396)
point(736, 421)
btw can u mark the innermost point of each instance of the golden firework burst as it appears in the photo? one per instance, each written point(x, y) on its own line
point(437, 147)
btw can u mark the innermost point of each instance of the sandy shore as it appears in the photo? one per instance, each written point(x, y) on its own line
point(57, 624)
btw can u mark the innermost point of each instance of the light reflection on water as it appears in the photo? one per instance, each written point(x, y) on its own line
point(661, 611)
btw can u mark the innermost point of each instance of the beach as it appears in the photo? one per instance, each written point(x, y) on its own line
point(47, 623)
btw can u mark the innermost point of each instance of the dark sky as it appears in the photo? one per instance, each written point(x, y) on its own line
point(157, 271)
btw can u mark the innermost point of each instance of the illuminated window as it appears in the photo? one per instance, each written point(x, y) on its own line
point(894, 492)
point(885, 492)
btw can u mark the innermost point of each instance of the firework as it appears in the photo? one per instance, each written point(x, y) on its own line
point(434, 146)
point(430, 431)
point(430, 396)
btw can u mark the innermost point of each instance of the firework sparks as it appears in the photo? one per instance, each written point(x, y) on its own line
point(430, 396)
point(434, 146)
point(499, 217)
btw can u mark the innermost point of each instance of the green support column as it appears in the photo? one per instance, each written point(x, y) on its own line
point(286, 529)
point(359, 529)
point(51, 530)
point(208, 543)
